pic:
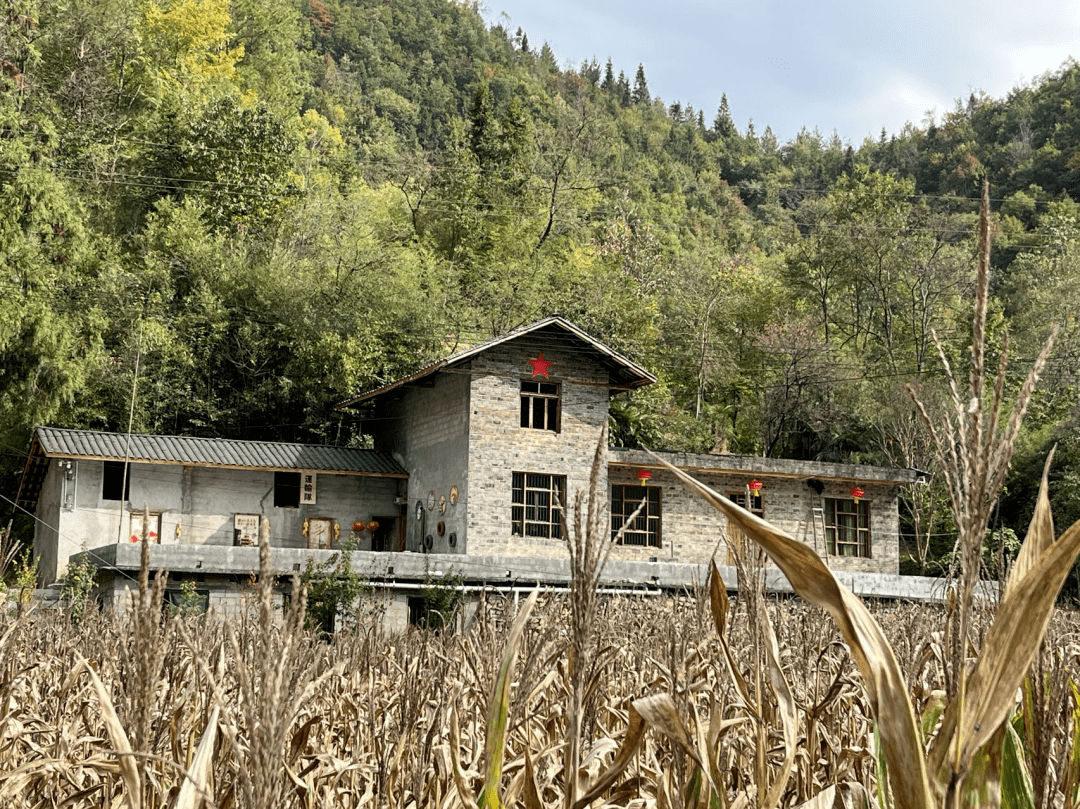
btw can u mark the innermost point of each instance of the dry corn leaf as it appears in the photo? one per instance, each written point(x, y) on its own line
point(1040, 535)
point(719, 604)
point(882, 678)
point(635, 732)
point(465, 792)
point(118, 736)
point(846, 795)
point(532, 792)
point(1010, 646)
point(660, 712)
point(788, 712)
point(197, 781)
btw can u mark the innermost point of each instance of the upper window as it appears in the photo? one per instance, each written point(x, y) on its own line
point(115, 483)
point(540, 405)
point(847, 527)
point(645, 528)
point(751, 501)
point(287, 489)
point(536, 509)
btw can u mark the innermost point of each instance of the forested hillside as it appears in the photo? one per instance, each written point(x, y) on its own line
point(244, 212)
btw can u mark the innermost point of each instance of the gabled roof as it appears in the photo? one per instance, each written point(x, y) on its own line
point(53, 442)
point(625, 373)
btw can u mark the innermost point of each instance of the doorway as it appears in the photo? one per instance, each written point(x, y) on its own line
point(385, 539)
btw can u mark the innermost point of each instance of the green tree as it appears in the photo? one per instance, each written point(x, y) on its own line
point(640, 93)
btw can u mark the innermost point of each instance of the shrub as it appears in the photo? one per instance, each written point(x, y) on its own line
point(441, 598)
point(78, 585)
point(336, 589)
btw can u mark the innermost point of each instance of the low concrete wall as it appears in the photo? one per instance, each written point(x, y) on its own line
point(500, 572)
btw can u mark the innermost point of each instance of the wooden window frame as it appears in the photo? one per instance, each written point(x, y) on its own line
point(756, 500)
point(853, 533)
point(536, 503)
point(541, 405)
point(647, 529)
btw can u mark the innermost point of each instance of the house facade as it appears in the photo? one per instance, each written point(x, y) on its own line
point(475, 457)
point(91, 489)
point(497, 436)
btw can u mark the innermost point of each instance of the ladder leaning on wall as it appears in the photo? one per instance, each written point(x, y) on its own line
point(819, 529)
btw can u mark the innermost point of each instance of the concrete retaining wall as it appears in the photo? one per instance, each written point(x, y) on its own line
point(500, 572)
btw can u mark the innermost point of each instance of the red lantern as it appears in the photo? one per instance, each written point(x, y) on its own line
point(857, 493)
point(754, 486)
point(644, 474)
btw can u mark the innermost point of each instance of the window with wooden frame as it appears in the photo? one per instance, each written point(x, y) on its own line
point(751, 501)
point(738, 544)
point(644, 530)
point(847, 527)
point(540, 405)
point(536, 505)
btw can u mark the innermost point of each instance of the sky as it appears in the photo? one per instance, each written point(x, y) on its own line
point(837, 65)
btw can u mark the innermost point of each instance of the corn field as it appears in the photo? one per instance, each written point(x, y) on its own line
point(190, 714)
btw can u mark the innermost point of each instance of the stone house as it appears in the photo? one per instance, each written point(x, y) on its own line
point(496, 436)
point(474, 457)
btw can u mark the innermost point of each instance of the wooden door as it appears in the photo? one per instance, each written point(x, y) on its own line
point(320, 533)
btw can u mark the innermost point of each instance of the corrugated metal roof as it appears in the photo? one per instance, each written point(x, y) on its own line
point(628, 372)
point(191, 451)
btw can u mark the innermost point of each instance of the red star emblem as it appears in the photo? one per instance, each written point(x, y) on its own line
point(540, 365)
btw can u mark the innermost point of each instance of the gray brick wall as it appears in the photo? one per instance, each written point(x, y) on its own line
point(499, 446)
point(427, 429)
point(692, 530)
point(464, 430)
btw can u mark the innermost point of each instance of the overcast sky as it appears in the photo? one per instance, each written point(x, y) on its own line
point(840, 65)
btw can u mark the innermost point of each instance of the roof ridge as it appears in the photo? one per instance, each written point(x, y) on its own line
point(644, 377)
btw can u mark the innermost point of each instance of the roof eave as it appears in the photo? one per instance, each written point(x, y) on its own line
point(643, 377)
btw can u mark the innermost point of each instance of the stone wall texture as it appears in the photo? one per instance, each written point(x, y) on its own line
point(500, 446)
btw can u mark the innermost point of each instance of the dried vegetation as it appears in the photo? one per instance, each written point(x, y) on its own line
point(375, 725)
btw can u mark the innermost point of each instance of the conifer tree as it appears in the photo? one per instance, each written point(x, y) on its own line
point(590, 70)
point(622, 89)
point(609, 77)
point(640, 93)
point(722, 124)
